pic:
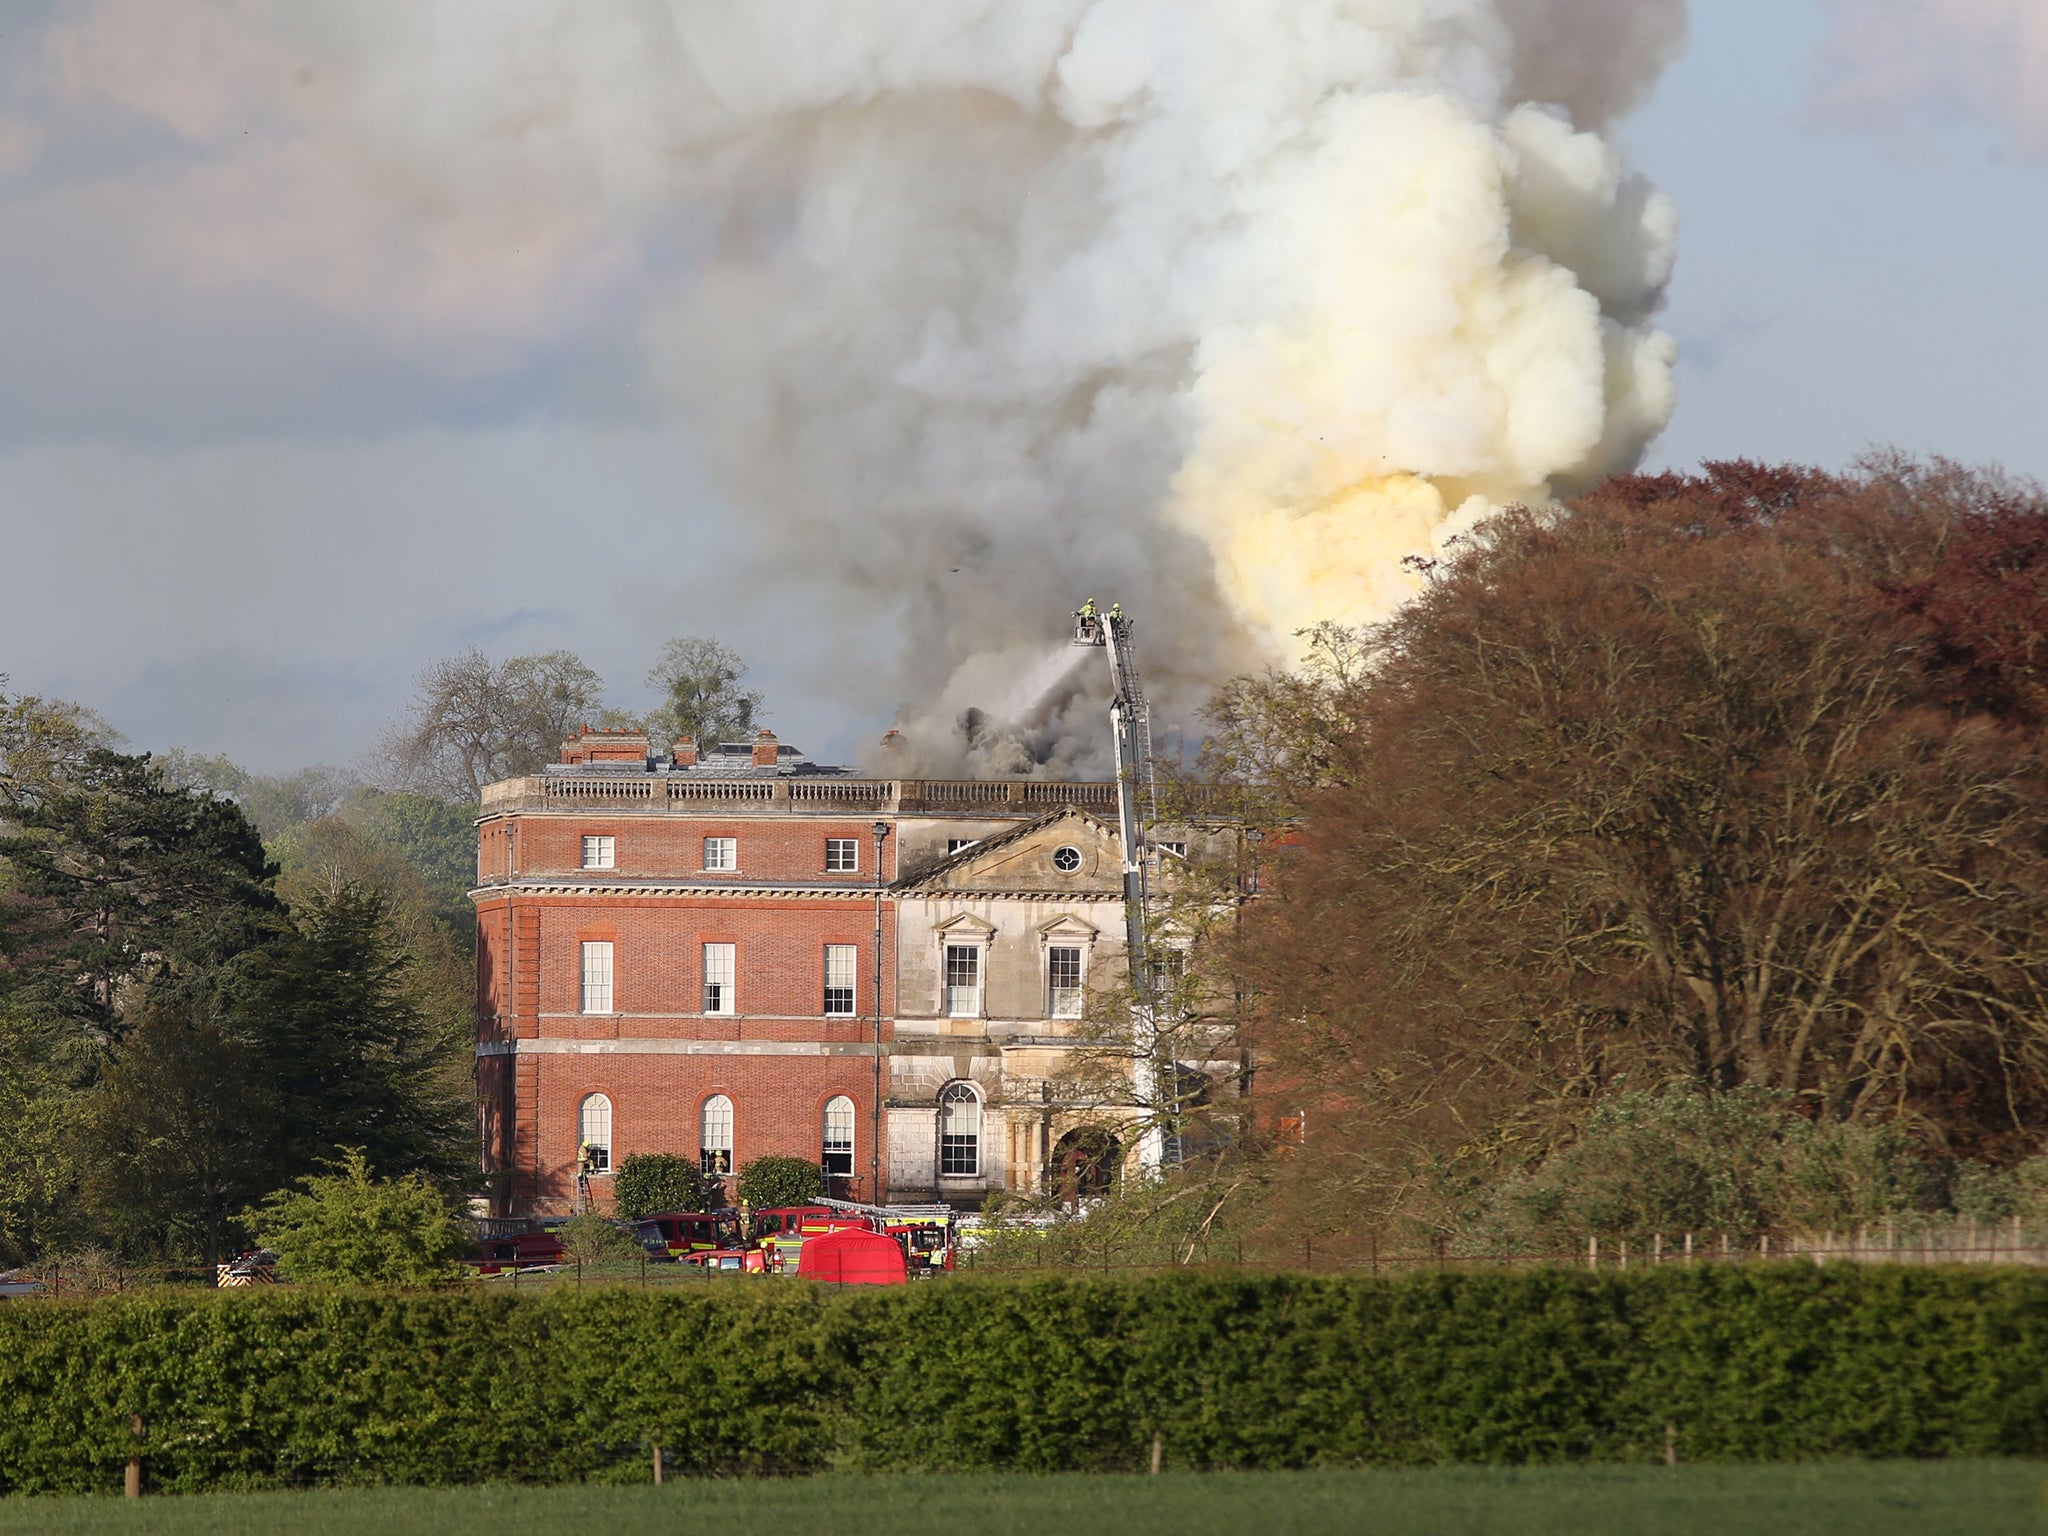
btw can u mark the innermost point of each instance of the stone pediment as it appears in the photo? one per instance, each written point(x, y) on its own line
point(1068, 853)
point(965, 928)
point(1067, 928)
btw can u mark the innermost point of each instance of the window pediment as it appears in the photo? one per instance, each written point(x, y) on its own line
point(965, 928)
point(1069, 929)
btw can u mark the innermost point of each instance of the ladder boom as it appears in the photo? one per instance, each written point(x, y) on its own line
point(1137, 807)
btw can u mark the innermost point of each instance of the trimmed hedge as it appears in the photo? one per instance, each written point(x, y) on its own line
point(299, 1386)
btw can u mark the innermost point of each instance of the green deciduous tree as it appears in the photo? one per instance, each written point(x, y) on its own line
point(699, 681)
point(272, 803)
point(44, 742)
point(39, 1108)
point(435, 839)
point(349, 1227)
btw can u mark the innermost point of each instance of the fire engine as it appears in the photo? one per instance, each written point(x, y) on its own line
point(923, 1233)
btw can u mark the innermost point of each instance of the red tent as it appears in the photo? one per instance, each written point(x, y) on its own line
point(851, 1256)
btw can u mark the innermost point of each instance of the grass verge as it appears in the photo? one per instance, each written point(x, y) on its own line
point(1851, 1498)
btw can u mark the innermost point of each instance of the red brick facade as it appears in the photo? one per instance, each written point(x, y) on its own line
point(610, 849)
point(655, 1054)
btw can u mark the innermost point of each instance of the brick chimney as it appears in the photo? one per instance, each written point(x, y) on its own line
point(602, 746)
point(765, 749)
point(685, 753)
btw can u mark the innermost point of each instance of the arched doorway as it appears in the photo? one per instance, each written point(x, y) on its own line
point(1085, 1164)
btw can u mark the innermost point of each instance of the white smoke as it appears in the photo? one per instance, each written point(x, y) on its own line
point(1217, 307)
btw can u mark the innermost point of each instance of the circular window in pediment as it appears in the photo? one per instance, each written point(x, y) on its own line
point(1066, 860)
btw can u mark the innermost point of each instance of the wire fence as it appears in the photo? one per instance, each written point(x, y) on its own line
point(2007, 1243)
point(2004, 1243)
point(99, 1278)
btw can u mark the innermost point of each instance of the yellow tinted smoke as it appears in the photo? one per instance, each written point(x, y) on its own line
point(1459, 330)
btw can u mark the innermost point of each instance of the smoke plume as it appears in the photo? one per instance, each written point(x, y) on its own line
point(1220, 308)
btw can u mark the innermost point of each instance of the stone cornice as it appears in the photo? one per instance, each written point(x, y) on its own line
point(543, 885)
point(573, 885)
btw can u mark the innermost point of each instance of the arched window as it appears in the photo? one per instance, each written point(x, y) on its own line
point(959, 1132)
point(715, 1144)
point(594, 1132)
point(838, 1158)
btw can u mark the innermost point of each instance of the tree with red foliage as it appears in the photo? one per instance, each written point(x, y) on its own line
point(1724, 779)
point(1985, 604)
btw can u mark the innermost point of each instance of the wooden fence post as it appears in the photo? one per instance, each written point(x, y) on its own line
point(657, 1463)
point(133, 1487)
point(1158, 1452)
point(1593, 1252)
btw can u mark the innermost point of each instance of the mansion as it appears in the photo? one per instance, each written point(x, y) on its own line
point(746, 953)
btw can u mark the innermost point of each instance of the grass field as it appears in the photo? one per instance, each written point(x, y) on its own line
point(1854, 1499)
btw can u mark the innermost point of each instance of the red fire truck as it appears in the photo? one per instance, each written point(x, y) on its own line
point(671, 1235)
point(923, 1232)
point(781, 1235)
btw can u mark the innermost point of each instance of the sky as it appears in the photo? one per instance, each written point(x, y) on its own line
point(256, 471)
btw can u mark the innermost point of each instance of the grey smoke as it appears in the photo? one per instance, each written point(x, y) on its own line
point(1216, 307)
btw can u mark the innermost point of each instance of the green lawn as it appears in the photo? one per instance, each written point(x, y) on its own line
point(1855, 1499)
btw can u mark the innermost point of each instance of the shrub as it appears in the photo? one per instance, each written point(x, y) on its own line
point(660, 1181)
point(1688, 1161)
point(347, 1227)
point(773, 1181)
point(1983, 1194)
point(591, 1239)
point(295, 1386)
